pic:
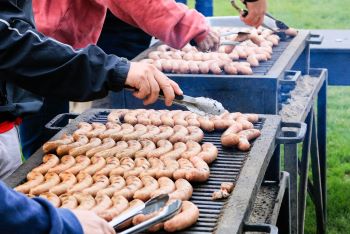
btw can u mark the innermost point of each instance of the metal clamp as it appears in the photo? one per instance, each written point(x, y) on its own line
point(290, 77)
point(314, 39)
point(288, 137)
point(60, 121)
point(247, 227)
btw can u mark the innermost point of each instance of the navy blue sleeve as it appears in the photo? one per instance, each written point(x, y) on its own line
point(47, 67)
point(20, 214)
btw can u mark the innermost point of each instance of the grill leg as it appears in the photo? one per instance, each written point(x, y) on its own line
point(291, 166)
point(304, 172)
point(322, 143)
point(273, 170)
point(317, 188)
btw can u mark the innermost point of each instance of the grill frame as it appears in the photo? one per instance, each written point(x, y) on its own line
point(236, 209)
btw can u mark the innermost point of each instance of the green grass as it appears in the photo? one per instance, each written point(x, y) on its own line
point(322, 14)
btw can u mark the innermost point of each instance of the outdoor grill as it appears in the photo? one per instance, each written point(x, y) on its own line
point(261, 92)
point(245, 169)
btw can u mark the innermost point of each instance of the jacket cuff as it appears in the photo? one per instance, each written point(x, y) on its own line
point(121, 71)
point(201, 37)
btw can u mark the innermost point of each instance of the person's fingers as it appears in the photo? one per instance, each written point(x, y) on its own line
point(154, 89)
point(176, 88)
point(165, 86)
point(107, 228)
point(144, 89)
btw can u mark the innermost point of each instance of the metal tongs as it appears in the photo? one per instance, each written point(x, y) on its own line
point(200, 105)
point(167, 213)
point(148, 207)
point(279, 27)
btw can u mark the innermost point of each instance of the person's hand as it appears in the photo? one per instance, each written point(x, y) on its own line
point(148, 81)
point(256, 12)
point(91, 223)
point(211, 42)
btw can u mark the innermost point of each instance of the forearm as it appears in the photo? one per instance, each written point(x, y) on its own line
point(20, 214)
point(49, 68)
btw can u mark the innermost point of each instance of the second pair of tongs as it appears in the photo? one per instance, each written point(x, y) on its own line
point(280, 26)
point(200, 105)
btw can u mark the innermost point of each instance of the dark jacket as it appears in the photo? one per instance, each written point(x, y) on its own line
point(46, 67)
point(20, 214)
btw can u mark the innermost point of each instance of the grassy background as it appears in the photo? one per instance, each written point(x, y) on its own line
point(322, 14)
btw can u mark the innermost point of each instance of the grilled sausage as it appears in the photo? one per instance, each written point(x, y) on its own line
point(151, 132)
point(103, 202)
point(179, 135)
point(116, 115)
point(165, 133)
point(119, 204)
point(147, 146)
point(126, 129)
point(112, 128)
point(206, 124)
point(209, 152)
point(80, 141)
point(133, 184)
point(143, 118)
point(183, 190)
point(155, 120)
point(175, 154)
point(68, 201)
point(170, 166)
point(81, 162)
point(200, 173)
point(68, 180)
point(131, 116)
point(150, 184)
point(166, 186)
point(111, 163)
point(83, 129)
point(51, 179)
point(34, 179)
point(86, 201)
point(94, 142)
point(52, 198)
point(49, 161)
point(230, 137)
point(245, 136)
point(98, 128)
point(185, 166)
point(116, 183)
point(84, 181)
point(195, 134)
point(193, 148)
point(97, 163)
point(230, 69)
point(101, 182)
point(107, 144)
point(188, 215)
point(67, 161)
point(156, 165)
point(126, 164)
point(164, 146)
point(141, 165)
point(139, 129)
point(245, 123)
point(120, 146)
point(52, 145)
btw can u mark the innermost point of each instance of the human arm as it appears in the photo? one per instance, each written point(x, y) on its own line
point(173, 23)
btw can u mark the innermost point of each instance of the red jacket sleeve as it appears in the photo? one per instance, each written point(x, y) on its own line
point(167, 20)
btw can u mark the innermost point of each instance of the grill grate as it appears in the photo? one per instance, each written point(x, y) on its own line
point(225, 168)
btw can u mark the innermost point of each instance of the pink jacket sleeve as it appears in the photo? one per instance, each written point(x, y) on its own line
point(171, 22)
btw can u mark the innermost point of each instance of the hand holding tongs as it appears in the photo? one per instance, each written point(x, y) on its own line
point(152, 205)
point(280, 26)
point(199, 105)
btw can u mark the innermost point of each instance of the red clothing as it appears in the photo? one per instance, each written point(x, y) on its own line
point(79, 22)
point(8, 125)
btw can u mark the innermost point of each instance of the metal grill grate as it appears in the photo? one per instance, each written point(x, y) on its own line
point(226, 168)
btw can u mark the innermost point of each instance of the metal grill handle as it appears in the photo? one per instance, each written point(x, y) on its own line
point(260, 228)
point(284, 139)
point(56, 123)
point(314, 39)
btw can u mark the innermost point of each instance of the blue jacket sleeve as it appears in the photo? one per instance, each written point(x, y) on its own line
point(47, 67)
point(20, 214)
